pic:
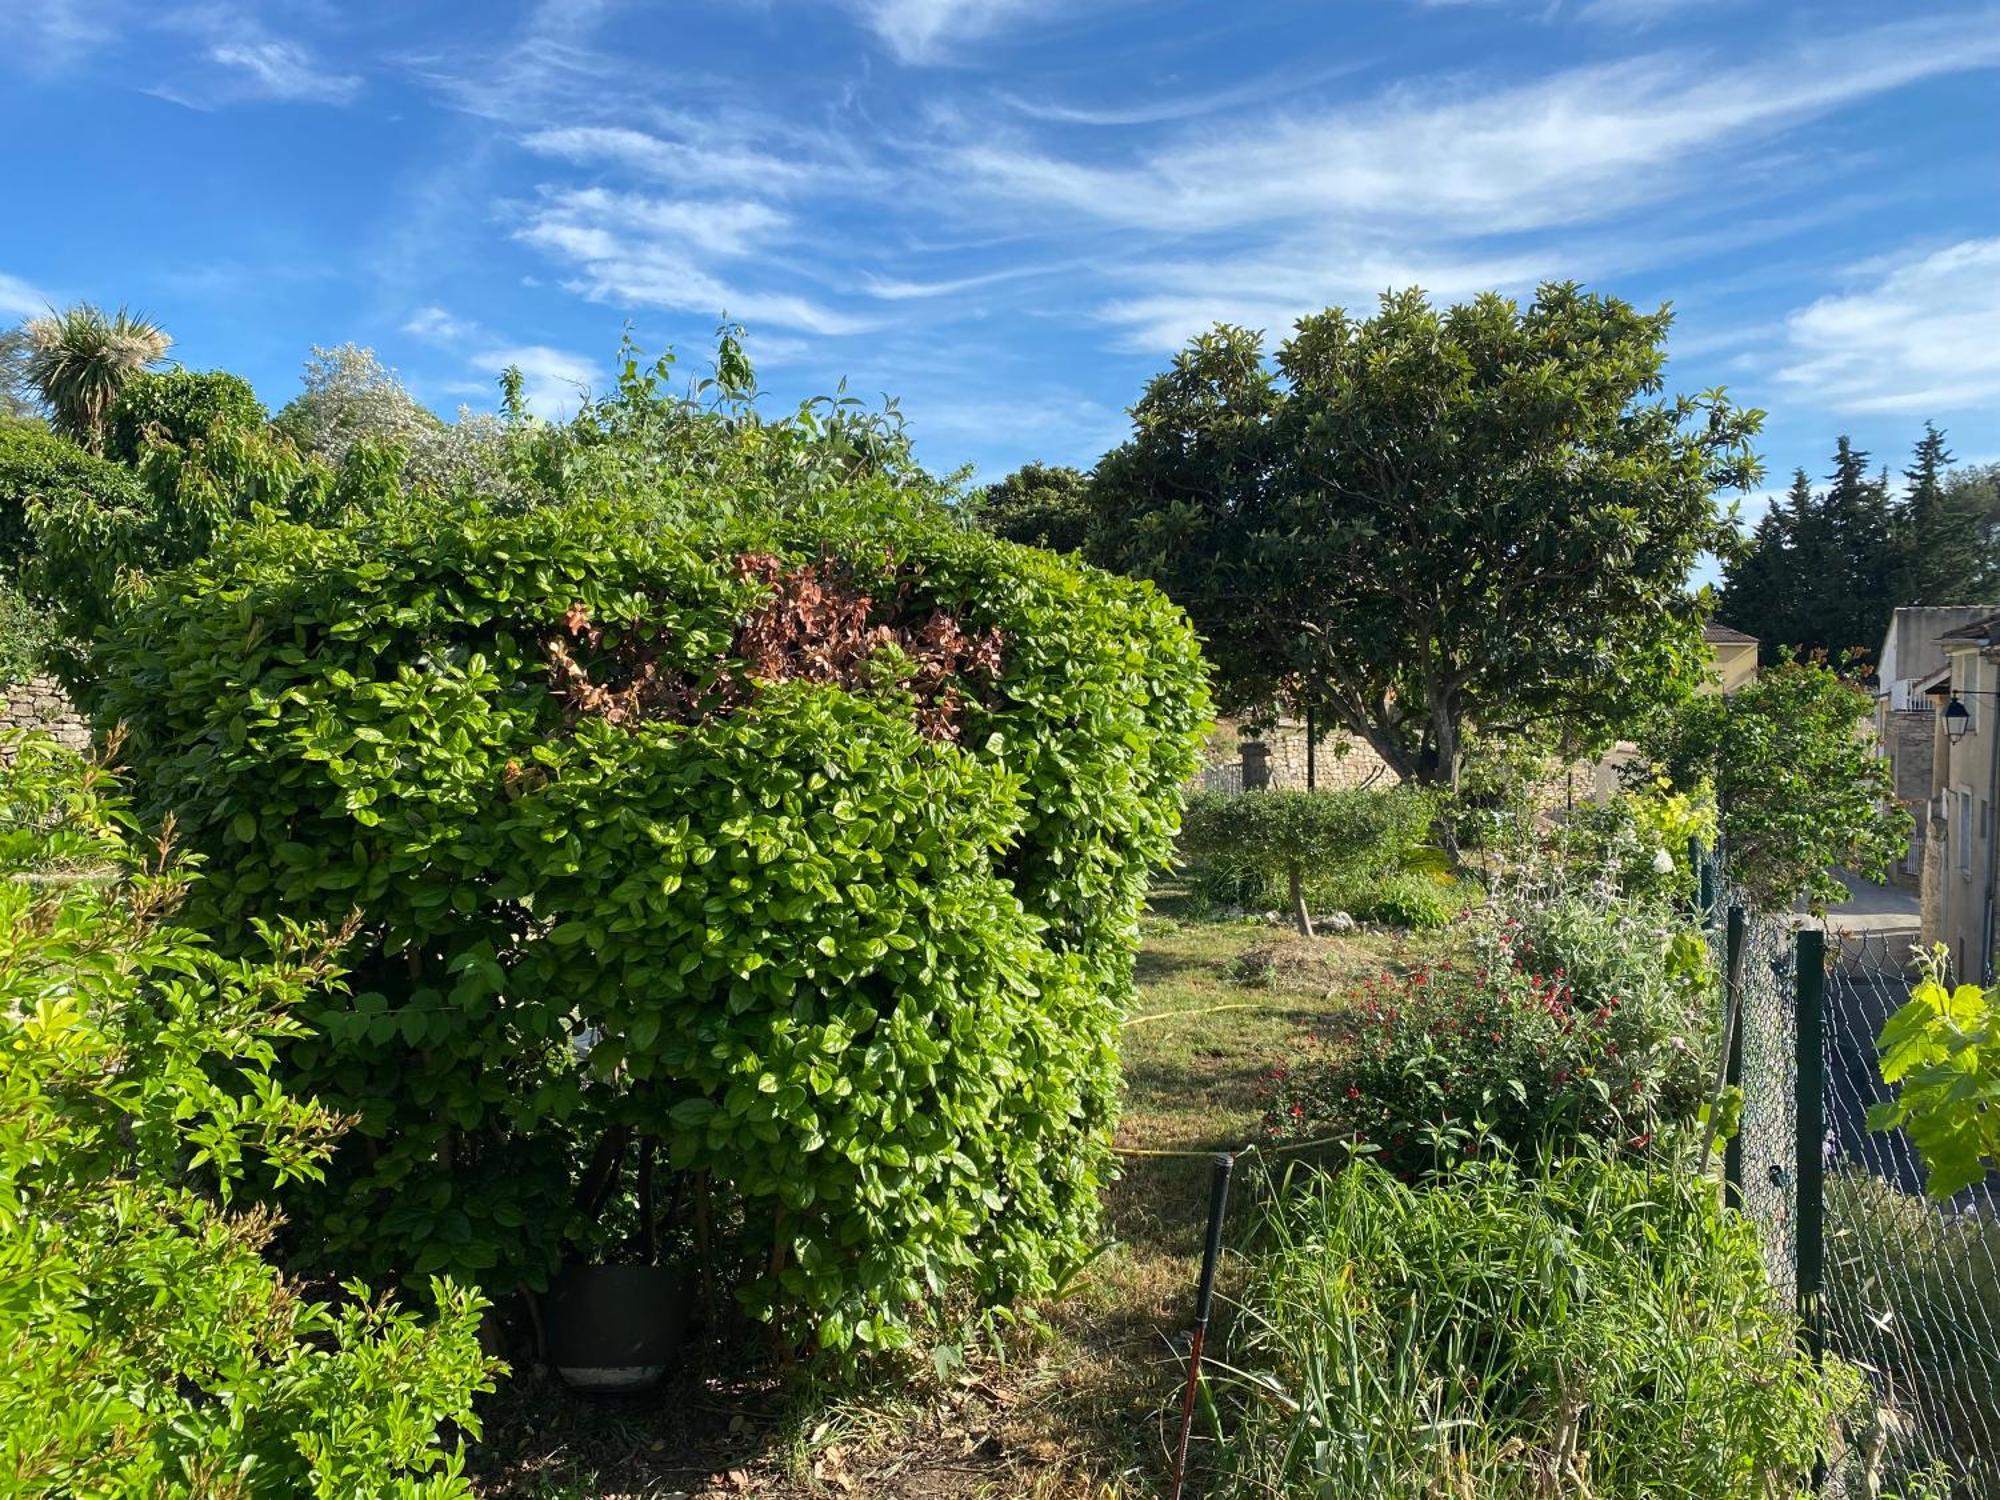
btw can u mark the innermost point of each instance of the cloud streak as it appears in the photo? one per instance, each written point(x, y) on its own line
point(20, 300)
point(632, 249)
point(272, 68)
point(930, 31)
point(1570, 148)
point(1922, 338)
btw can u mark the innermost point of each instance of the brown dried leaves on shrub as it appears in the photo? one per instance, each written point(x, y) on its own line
point(815, 624)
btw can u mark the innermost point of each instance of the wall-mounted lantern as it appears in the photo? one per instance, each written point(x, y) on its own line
point(1957, 719)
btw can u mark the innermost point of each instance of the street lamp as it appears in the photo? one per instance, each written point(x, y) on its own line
point(1957, 719)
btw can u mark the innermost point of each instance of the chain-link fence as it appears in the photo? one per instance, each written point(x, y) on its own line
point(1902, 1287)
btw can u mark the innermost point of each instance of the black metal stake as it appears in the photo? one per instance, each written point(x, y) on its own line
point(1218, 1200)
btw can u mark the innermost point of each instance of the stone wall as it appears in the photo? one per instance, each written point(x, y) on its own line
point(38, 703)
point(1340, 759)
point(1908, 739)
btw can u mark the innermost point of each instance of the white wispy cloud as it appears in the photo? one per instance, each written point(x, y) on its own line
point(637, 250)
point(435, 325)
point(274, 68)
point(684, 163)
point(928, 31)
point(20, 300)
point(1175, 103)
point(1636, 15)
point(1270, 290)
point(1456, 185)
point(1575, 146)
point(555, 381)
point(52, 33)
point(1920, 338)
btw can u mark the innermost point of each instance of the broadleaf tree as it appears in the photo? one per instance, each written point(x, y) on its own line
point(1043, 505)
point(1434, 519)
point(1800, 787)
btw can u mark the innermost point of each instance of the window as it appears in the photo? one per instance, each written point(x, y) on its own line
point(1961, 831)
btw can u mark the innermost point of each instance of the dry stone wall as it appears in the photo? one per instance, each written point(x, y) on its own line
point(39, 703)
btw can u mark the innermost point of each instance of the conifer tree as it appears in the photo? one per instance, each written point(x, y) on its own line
point(1943, 552)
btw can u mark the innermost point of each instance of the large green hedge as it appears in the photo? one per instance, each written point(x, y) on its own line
point(854, 941)
point(181, 407)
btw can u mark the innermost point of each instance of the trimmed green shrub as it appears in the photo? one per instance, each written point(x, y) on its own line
point(832, 836)
point(1604, 1330)
point(1422, 903)
point(150, 1350)
point(1303, 843)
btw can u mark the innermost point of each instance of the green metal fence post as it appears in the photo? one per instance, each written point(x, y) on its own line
point(1809, 1178)
point(1732, 1041)
point(1704, 869)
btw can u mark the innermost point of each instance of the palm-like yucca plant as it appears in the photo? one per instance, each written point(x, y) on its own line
point(80, 358)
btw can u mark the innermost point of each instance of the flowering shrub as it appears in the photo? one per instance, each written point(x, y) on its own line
point(1464, 1057)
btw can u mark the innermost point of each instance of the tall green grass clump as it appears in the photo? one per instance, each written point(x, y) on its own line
point(1603, 1330)
point(1913, 1297)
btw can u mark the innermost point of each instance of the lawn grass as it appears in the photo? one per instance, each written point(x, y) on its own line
point(1075, 1398)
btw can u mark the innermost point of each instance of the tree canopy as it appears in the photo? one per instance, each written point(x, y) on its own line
point(1799, 784)
point(1043, 505)
point(1435, 518)
point(77, 361)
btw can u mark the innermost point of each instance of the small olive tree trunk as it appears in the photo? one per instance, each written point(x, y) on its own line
point(1299, 912)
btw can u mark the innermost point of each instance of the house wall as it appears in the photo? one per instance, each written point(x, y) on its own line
point(1906, 741)
point(1340, 759)
point(1962, 787)
point(1913, 648)
point(1733, 664)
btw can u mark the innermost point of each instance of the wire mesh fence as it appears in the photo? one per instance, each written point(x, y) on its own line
point(1902, 1287)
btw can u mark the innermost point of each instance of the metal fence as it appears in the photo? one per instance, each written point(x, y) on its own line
point(1902, 1287)
point(1222, 776)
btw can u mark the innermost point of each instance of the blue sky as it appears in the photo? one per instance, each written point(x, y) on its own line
point(1010, 212)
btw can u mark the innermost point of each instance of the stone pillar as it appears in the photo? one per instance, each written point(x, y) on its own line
point(1930, 900)
point(1256, 766)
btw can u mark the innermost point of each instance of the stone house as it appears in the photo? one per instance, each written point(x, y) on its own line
point(1959, 845)
point(1913, 655)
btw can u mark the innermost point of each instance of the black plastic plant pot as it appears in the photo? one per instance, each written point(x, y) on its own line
point(617, 1328)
